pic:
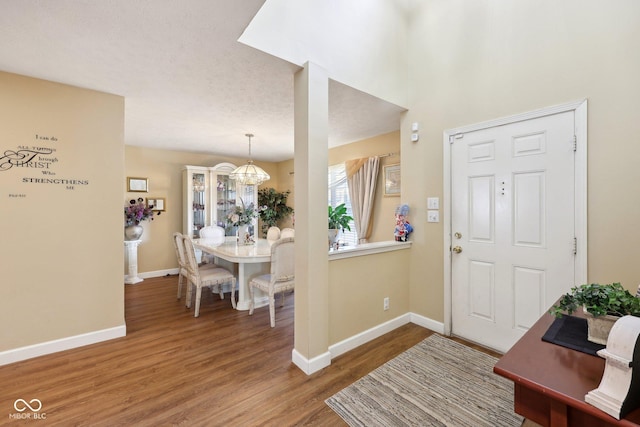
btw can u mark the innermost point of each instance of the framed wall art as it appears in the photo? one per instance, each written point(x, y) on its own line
point(392, 180)
point(158, 204)
point(137, 184)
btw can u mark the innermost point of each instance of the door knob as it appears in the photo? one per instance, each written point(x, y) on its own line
point(457, 249)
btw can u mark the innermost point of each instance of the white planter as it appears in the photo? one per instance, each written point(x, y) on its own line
point(599, 327)
point(333, 236)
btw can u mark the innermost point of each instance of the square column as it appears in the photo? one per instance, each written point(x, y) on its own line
point(311, 126)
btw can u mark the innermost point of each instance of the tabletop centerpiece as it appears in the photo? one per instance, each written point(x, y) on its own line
point(242, 217)
point(134, 213)
point(602, 304)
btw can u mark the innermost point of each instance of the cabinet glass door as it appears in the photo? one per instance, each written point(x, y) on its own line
point(225, 201)
point(199, 203)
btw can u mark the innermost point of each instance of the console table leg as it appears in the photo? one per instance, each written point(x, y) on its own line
point(558, 415)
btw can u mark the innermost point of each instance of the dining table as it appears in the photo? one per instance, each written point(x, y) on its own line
point(244, 260)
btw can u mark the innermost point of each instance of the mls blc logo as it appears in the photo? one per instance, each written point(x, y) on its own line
point(21, 405)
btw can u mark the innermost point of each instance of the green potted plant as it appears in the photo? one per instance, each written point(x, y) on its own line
point(338, 220)
point(275, 207)
point(602, 305)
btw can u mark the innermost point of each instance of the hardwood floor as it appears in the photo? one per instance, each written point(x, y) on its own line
point(225, 368)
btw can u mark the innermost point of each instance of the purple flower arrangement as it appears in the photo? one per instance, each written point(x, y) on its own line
point(137, 212)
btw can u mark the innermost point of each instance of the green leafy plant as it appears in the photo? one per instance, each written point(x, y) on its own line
point(598, 300)
point(338, 218)
point(275, 207)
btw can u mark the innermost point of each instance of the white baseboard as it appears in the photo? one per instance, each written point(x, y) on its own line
point(156, 273)
point(335, 350)
point(35, 350)
point(159, 273)
point(370, 334)
point(425, 322)
point(310, 366)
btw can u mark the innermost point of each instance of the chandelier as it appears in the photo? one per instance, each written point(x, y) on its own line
point(249, 174)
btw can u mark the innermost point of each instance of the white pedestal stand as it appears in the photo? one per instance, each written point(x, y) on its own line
point(132, 261)
point(619, 390)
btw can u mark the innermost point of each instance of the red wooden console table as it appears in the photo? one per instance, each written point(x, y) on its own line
point(550, 382)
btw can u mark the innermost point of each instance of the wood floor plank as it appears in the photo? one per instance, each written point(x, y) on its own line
point(222, 368)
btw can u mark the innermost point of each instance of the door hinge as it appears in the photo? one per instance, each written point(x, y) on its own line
point(575, 245)
point(455, 136)
point(575, 143)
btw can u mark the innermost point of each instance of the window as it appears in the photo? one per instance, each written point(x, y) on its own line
point(339, 193)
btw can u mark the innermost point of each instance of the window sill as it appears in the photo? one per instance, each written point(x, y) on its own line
point(367, 249)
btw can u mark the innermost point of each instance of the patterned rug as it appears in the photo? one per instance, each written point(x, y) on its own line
point(438, 382)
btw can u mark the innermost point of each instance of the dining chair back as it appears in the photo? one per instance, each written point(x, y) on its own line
point(281, 278)
point(182, 262)
point(205, 277)
point(214, 234)
point(273, 234)
point(287, 232)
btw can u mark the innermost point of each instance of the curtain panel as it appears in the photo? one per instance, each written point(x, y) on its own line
point(362, 176)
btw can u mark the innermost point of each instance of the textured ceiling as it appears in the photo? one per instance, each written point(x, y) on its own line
point(188, 83)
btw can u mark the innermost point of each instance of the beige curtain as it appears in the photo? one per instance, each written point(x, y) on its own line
point(362, 176)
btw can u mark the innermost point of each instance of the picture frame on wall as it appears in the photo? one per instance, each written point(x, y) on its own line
point(392, 180)
point(158, 204)
point(140, 185)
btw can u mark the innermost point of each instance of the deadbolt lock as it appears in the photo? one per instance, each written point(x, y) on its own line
point(457, 249)
point(458, 235)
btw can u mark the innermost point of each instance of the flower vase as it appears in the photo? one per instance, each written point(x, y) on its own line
point(133, 232)
point(333, 237)
point(243, 236)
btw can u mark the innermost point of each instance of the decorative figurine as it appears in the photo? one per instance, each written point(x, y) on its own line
point(619, 390)
point(403, 228)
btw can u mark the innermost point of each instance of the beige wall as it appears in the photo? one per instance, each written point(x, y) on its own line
point(357, 288)
point(503, 58)
point(360, 44)
point(61, 250)
point(163, 168)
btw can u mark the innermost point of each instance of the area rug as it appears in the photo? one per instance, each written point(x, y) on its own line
point(438, 382)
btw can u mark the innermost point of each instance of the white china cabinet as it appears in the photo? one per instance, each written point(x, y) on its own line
point(209, 194)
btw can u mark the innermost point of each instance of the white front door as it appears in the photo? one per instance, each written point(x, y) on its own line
point(512, 226)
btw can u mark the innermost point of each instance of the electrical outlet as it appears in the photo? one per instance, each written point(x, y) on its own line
point(385, 303)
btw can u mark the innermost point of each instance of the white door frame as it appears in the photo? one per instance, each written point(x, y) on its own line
point(580, 214)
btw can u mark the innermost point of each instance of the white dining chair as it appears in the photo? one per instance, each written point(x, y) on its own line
point(214, 234)
point(182, 261)
point(273, 234)
point(280, 279)
point(287, 232)
point(211, 277)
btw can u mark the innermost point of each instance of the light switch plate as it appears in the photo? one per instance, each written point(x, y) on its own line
point(433, 216)
point(433, 203)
